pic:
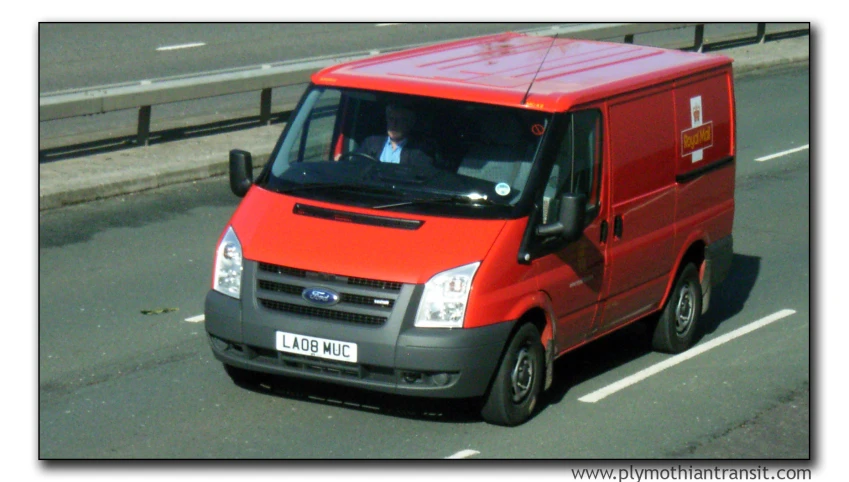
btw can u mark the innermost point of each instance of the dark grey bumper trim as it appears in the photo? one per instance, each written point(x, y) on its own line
point(398, 358)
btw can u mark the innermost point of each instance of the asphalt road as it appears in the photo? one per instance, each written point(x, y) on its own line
point(117, 383)
point(78, 55)
point(81, 55)
point(74, 56)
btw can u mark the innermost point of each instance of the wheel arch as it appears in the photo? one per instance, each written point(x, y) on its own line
point(543, 320)
point(535, 307)
point(693, 253)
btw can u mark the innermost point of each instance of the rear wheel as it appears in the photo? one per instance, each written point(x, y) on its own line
point(676, 326)
point(516, 387)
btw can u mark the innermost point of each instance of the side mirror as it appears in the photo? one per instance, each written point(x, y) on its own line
point(570, 225)
point(241, 172)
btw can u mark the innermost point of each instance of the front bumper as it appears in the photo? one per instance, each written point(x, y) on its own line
point(394, 357)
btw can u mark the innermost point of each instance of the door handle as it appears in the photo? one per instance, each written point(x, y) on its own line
point(603, 229)
point(617, 226)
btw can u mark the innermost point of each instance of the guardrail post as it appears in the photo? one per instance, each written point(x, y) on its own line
point(761, 36)
point(699, 41)
point(144, 125)
point(265, 107)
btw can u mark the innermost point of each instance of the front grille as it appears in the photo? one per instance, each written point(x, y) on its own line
point(322, 312)
point(280, 287)
point(362, 301)
point(381, 285)
point(367, 300)
point(345, 297)
point(272, 268)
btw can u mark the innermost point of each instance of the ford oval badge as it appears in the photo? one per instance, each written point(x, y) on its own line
point(321, 296)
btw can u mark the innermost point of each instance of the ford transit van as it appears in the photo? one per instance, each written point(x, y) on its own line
point(547, 192)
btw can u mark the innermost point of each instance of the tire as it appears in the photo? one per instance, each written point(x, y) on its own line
point(517, 383)
point(676, 327)
point(242, 377)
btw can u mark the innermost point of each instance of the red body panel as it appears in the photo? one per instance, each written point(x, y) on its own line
point(500, 69)
point(574, 279)
point(642, 177)
point(502, 289)
point(271, 233)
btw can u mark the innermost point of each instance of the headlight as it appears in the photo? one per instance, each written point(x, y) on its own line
point(228, 265)
point(445, 298)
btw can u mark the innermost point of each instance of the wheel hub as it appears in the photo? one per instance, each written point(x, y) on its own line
point(684, 310)
point(522, 377)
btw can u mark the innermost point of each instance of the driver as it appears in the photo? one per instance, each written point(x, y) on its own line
point(398, 146)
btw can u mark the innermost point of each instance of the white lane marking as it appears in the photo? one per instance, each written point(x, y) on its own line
point(464, 454)
point(782, 153)
point(195, 319)
point(670, 362)
point(386, 24)
point(181, 46)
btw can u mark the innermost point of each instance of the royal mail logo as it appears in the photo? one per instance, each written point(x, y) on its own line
point(699, 136)
point(696, 138)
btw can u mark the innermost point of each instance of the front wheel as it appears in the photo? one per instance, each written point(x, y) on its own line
point(679, 319)
point(516, 387)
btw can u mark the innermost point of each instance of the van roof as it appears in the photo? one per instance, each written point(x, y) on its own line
point(499, 69)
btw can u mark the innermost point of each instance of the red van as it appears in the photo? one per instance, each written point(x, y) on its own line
point(447, 221)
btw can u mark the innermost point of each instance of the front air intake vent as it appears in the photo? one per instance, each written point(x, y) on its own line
point(348, 217)
point(322, 313)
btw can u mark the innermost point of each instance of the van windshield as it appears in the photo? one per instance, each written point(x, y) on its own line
point(406, 153)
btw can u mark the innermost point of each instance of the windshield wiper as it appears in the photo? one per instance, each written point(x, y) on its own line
point(340, 185)
point(470, 198)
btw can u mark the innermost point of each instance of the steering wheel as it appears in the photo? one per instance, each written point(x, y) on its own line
point(350, 154)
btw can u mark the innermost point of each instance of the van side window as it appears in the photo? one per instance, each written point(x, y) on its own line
point(577, 165)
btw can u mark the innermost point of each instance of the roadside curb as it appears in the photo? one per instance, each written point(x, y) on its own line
point(102, 176)
point(761, 65)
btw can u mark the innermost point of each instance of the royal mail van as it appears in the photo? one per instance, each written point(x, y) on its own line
point(547, 192)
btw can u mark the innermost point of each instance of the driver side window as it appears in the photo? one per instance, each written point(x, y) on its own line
point(577, 166)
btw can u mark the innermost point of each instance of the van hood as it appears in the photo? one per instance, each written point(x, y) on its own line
point(348, 241)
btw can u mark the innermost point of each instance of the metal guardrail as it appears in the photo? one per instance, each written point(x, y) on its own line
point(145, 94)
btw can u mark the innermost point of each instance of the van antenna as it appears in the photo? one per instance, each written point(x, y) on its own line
point(525, 98)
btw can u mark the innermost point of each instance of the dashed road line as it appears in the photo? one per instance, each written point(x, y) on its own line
point(464, 454)
point(195, 319)
point(782, 153)
point(181, 46)
point(670, 362)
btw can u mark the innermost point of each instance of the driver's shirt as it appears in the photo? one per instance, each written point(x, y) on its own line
point(390, 154)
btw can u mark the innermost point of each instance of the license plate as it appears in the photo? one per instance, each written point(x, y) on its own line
point(317, 347)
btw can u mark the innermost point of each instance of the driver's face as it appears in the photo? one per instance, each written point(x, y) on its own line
point(399, 121)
